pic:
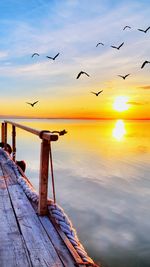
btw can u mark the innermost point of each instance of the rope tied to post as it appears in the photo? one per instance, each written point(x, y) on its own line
point(55, 211)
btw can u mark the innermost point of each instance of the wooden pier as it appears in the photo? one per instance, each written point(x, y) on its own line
point(29, 236)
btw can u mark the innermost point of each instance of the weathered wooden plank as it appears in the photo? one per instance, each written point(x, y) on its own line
point(2, 182)
point(8, 173)
point(42, 252)
point(68, 244)
point(59, 245)
point(64, 248)
point(12, 250)
point(1, 173)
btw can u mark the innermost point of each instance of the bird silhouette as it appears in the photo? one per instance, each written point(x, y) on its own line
point(82, 72)
point(144, 63)
point(126, 27)
point(144, 30)
point(118, 46)
point(99, 44)
point(35, 54)
point(97, 93)
point(124, 77)
point(32, 104)
point(53, 58)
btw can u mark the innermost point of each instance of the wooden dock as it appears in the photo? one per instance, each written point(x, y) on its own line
point(27, 236)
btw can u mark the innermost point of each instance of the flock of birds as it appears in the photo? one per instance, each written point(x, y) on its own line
point(85, 73)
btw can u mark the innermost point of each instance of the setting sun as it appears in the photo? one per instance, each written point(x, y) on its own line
point(120, 103)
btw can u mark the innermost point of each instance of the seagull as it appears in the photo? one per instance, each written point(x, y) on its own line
point(124, 77)
point(35, 54)
point(99, 44)
point(118, 46)
point(32, 104)
point(53, 58)
point(97, 93)
point(82, 72)
point(126, 27)
point(144, 63)
point(144, 30)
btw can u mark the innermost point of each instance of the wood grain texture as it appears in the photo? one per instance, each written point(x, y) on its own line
point(42, 252)
point(2, 181)
point(58, 243)
point(68, 244)
point(13, 252)
point(43, 241)
point(8, 173)
point(43, 177)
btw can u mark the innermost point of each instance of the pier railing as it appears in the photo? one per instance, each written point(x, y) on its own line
point(45, 157)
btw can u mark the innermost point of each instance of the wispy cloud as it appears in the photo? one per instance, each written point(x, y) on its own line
point(135, 103)
point(66, 27)
point(145, 87)
point(3, 54)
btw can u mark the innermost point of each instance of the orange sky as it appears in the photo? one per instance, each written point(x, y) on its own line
point(49, 30)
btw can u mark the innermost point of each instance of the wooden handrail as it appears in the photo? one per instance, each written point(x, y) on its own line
point(45, 155)
point(45, 135)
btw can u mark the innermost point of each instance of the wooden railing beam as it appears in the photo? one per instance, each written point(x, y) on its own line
point(45, 135)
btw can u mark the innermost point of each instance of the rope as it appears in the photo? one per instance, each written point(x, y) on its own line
point(55, 210)
point(52, 173)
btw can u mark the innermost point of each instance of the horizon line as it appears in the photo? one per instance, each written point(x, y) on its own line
point(69, 118)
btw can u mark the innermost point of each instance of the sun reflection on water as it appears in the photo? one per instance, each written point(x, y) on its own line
point(119, 131)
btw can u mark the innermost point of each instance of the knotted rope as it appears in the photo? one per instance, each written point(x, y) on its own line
point(55, 210)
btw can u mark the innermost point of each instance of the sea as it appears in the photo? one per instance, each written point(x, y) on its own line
point(102, 181)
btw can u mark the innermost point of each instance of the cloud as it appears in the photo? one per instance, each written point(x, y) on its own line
point(3, 54)
point(146, 87)
point(135, 103)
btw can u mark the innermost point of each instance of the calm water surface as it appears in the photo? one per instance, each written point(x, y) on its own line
point(102, 176)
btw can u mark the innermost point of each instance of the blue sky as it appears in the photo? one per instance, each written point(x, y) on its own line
point(72, 28)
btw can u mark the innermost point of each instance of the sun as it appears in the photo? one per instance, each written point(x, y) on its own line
point(120, 103)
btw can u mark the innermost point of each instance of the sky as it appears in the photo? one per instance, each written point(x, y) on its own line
point(73, 28)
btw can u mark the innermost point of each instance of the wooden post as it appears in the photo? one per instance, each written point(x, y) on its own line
point(13, 142)
point(3, 132)
point(43, 179)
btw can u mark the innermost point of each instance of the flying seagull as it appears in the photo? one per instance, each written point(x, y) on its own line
point(124, 77)
point(53, 58)
point(126, 27)
point(35, 54)
point(32, 104)
point(97, 93)
point(99, 44)
point(144, 30)
point(118, 46)
point(144, 63)
point(82, 72)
